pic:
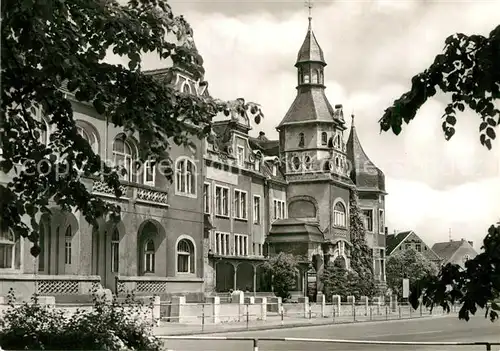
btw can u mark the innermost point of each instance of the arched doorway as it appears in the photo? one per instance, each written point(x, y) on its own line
point(263, 279)
point(224, 276)
point(244, 277)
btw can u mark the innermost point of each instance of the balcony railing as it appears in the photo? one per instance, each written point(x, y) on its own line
point(140, 193)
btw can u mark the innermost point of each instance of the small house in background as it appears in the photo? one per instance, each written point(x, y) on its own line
point(456, 252)
point(410, 240)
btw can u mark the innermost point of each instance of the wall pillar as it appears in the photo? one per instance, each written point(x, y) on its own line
point(336, 304)
point(156, 308)
point(177, 311)
point(214, 302)
point(235, 276)
point(263, 307)
point(320, 299)
point(305, 305)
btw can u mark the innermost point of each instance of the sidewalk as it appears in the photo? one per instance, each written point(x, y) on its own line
point(275, 322)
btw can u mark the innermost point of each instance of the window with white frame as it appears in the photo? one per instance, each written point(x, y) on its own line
point(149, 173)
point(7, 250)
point(67, 246)
point(123, 156)
point(185, 177)
point(240, 155)
point(221, 201)
point(381, 222)
point(240, 204)
point(89, 136)
point(279, 209)
point(149, 256)
point(368, 219)
point(115, 246)
point(221, 244)
point(256, 209)
point(185, 256)
point(256, 165)
point(339, 215)
point(240, 245)
point(206, 197)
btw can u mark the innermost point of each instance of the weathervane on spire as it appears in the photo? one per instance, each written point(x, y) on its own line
point(309, 4)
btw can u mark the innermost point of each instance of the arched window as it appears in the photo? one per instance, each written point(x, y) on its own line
point(115, 251)
point(67, 246)
point(122, 156)
point(185, 256)
point(90, 137)
point(186, 88)
point(149, 256)
point(321, 77)
point(301, 140)
point(185, 177)
point(7, 250)
point(324, 138)
point(339, 215)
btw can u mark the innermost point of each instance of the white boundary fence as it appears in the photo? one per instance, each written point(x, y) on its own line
point(255, 341)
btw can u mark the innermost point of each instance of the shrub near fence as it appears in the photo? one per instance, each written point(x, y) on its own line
point(107, 325)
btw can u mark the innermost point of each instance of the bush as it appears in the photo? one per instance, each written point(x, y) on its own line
point(108, 326)
point(283, 270)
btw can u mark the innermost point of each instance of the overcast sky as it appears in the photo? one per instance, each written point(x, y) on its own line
point(372, 49)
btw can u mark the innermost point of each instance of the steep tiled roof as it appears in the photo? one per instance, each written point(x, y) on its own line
point(310, 51)
point(446, 249)
point(364, 173)
point(393, 240)
point(309, 105)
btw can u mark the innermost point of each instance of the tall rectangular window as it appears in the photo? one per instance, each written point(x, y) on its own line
point(279, 209)
point(241, 244)
point(221, 201)
point(368, 219)
point(206, 198)
point(240, 155)
point(221, 245)
point(256, 209)
point(381, 221)
point(240, 204)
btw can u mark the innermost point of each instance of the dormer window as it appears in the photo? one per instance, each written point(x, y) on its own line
point(337, 142)
point(186, 88)
point(301, 140)
point(324, 138)
point(256, 165)
point(240, 155)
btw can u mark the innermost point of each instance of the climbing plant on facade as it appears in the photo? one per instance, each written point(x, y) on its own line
point(50, 44)
point(361, 254)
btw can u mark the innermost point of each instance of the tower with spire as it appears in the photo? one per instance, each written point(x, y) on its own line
point(321, 170)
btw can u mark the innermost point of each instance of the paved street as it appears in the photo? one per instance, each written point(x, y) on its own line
point(436, 329)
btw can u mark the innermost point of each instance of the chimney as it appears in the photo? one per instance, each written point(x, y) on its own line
point(386, 230)
point(395, 231)
point(471, 243)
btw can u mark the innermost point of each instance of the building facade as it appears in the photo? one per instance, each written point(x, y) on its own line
point(235, 200)
point(407, 240)
point(455, 251)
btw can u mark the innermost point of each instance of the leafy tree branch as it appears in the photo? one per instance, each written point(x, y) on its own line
point(52, 53)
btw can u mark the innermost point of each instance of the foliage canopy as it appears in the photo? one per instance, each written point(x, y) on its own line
point(50, 44)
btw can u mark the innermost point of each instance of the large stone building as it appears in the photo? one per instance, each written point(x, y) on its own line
point(235, 200)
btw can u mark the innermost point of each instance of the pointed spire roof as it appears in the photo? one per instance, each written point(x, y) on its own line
point(364, 173)
point(310, 51)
